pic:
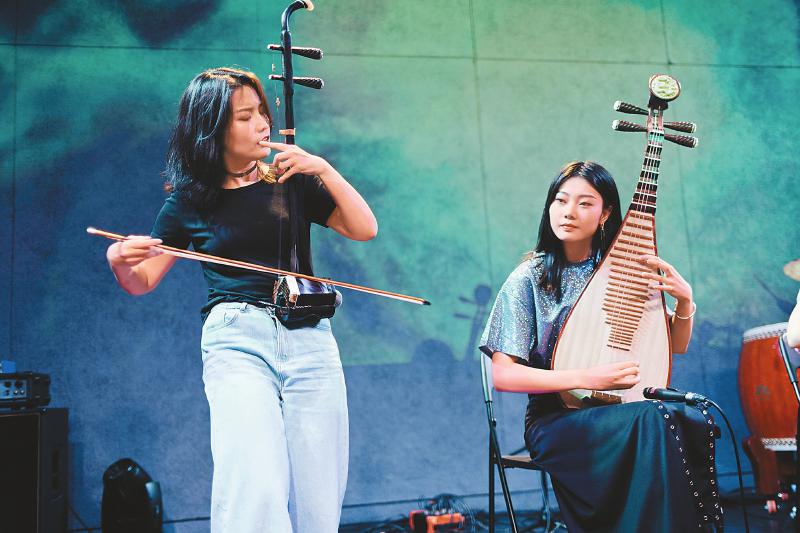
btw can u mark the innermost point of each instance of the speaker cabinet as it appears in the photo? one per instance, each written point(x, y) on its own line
point(33, 471)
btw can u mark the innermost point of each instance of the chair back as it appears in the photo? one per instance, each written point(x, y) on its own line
point(486, 378)
point(789, 357)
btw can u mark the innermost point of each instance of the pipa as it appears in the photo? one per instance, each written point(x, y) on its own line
point(617, 317)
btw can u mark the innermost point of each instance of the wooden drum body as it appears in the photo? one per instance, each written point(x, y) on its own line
point(770, 407)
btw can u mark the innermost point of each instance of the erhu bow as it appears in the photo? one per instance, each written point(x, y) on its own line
point(199, 256)
point(617, 316)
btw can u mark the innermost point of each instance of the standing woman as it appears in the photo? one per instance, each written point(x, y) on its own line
point(634, 467)
point(279, 427)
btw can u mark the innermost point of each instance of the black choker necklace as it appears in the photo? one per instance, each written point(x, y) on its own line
point(245, 173)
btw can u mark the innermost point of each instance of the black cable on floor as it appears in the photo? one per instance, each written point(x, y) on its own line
point(738, 464)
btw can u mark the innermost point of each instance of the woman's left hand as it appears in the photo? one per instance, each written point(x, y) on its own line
point(292, 160)
point(670, 281)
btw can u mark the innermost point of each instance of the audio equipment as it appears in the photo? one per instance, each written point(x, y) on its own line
point(33, 471)
point(673, 395)
point(24, 389)
point(423, 521)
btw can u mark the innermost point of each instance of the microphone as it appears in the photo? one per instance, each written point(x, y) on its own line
point(672, 395)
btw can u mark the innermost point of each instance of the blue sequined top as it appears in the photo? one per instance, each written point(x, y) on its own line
point(525, 322)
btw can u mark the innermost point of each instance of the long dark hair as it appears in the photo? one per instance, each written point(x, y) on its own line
point(550, 248)
point(195, 164)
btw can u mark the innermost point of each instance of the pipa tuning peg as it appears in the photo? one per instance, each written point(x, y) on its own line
point(683, 140)
point(625, 107)
point(624, 125)
point(686, 127)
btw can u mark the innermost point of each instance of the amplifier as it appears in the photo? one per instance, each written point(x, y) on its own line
point(24, 389)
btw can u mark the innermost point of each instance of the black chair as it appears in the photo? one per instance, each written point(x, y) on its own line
point(790, 360)
point(501, 462)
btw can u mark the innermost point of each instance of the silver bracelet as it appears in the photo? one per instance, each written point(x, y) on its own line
point(675, 311)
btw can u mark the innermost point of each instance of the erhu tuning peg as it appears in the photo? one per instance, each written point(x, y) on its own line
point(625, 107)
point(624, 125)
point(683, 140)
point(311, 53)
point(314, 83)
point(686, 127)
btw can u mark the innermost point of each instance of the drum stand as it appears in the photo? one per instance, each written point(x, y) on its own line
point(791, 370)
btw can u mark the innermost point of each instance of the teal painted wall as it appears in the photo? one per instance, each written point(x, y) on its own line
point(450, 117)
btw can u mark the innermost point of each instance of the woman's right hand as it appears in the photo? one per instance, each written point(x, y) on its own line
point(132, 251)
point(614, 376)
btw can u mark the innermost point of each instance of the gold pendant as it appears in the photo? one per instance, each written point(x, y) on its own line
point(269, 175)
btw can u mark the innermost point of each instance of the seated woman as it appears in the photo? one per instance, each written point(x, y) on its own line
point(641, 466)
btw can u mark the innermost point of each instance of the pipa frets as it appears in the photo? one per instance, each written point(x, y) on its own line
point(626, 295)
point(628, 280)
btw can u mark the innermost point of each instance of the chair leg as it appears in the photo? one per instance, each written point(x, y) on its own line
point(547, 511)
point(546, 503)
point(491, 491)
point(507, 496)
point(495, 457)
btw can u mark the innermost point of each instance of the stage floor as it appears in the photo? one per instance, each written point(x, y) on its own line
point(760, 522)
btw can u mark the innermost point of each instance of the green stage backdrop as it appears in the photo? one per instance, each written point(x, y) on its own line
point(451, 117)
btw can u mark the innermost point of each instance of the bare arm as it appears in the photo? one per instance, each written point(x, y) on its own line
point(352, 217)
point(672, 283)
point(137, 265)
point(680, 329)
point(509, 376)
point(793, 332)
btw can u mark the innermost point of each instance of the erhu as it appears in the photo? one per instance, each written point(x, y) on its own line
point(297, 298)
point(617, 316)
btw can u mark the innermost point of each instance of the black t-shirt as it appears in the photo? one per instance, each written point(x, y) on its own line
point(250, 224)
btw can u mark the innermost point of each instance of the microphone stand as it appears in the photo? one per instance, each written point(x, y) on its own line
point(784, 348)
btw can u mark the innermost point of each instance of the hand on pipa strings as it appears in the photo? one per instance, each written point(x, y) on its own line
point(666, 278)
point(614, 376)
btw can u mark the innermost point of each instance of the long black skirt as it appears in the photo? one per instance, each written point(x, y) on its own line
point(636, 467)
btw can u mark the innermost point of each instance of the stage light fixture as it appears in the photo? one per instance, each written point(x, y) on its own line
point(131, 500)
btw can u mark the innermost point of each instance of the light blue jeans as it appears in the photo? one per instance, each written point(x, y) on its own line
point(279, 428)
